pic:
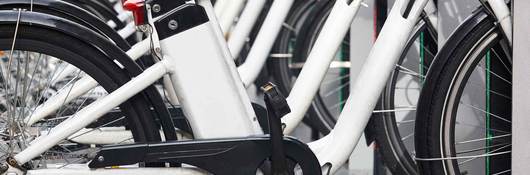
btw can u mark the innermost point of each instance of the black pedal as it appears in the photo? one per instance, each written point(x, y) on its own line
point(277, 107)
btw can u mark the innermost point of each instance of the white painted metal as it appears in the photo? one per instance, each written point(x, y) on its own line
point(113, 171)
point(503, 14)
point(207, 85)
point(220, 6)
point(318, 61)
point(139, 49)
point(432, 13)
point(169, 89)
point(218, 33)
point(229, 14)
point(242, 29)
point(63, 96)
point(62, 74)
point(82, 86)
point(125, 17)
point(259, 52)
point(128, 30)
point(119, 7)
point(368, 85)
point(111, 135)
point(104, 135)
point(112, 24)
point(92, 112)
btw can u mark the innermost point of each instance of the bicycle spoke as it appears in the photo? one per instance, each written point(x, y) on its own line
point(397, 109)
point(495, 74)
point(482, 139)
point(490, 152)
point(503, 172)
point(504, 64)
point(481, 148)
point(346, 84)
point(463, 157)
point(481, 127)
point(485, 112)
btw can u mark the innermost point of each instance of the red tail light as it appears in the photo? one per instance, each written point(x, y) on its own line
point(137, 7)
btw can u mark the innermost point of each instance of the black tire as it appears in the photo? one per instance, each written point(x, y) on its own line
point(101, 10)
point(437, 128)
point(90, 60)
point(388, 134)
point(78, 15)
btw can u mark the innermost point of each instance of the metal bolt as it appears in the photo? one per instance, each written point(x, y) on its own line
point(173, 25)
point(101, 158)
point(156, 8)
point(11, 161)
point(3, 167)
point(143, 28)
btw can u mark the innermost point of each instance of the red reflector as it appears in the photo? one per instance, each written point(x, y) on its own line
point(137, 7)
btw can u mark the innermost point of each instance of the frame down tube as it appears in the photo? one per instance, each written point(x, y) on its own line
point(336, 147)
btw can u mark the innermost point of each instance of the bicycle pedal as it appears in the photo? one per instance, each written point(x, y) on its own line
point(277, 107)
point(275, 100)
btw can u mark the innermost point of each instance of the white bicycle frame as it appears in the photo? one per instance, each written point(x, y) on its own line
point(248, 71)
point(212, 94)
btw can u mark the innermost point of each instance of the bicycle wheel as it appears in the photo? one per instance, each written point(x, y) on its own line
point(396, 113)
point(28, 67)
point(465, 105)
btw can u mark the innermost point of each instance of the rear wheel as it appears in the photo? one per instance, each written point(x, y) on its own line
point(27, 72)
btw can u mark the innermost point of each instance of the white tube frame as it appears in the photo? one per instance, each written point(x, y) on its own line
point(244, 26)
point(230, 11)
point(334, 148)
point(264, 42)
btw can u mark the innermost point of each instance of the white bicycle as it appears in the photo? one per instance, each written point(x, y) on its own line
point(201, 38)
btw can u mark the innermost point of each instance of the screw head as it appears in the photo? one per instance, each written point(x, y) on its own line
point(156, 8)
point(3, 167)
point(11, 161)
point(101, 158)
point(143, 28)
point(173, 25)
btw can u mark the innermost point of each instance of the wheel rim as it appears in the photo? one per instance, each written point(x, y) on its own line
point(483, 136)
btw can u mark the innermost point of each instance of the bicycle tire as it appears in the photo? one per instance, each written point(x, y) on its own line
point(436, 129)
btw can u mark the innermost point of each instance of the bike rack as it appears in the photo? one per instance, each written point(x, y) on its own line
point(520, 92)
